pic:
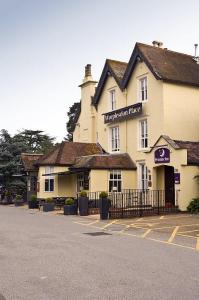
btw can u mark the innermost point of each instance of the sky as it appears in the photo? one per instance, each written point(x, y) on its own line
point(45, 45)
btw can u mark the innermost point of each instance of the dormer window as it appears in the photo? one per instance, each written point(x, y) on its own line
point(112, 100)
point(143, 94)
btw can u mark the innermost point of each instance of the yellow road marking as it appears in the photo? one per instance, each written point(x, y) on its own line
point(146, 233)
point(162, 217)
point(109, 224)
point(165, 242)
point(170, 240)
point(189, 231)
point(197, 244)
point(186, 235)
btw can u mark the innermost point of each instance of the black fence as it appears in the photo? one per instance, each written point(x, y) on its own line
point(135, 203)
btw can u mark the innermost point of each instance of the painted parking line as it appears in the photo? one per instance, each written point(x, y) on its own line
point(197, 245)
point(146, 233)
point(170, 240)
point(109, 224)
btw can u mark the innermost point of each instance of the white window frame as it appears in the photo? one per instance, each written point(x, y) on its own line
point(142, 176)
point(114, 139)
point(49, 178)
point(143, 134)
point(115, 178)
point(112, 100)
point(143, 89)
point(80, 182)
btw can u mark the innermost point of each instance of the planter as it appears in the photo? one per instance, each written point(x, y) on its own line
point(33, 204)
point(48, 207)
point(83, 206)
point(19, 203)
point(104, 204)
point(7, 200)
point(70, 209)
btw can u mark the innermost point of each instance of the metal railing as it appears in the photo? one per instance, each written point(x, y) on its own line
point(135, 202)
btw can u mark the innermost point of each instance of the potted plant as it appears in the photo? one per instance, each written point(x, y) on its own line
point(18, 200)
point(70, 207)
point(33, 202)
point(8, 198)
point(49, 205)
point(104, 204)
point(83, 203)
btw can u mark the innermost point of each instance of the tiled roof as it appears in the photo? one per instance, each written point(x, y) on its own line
point(118, 68)
point(192, 151)
point(105, 161)
point(114, 68)
point(28, 160)
point(65, 153)
point(165, 64)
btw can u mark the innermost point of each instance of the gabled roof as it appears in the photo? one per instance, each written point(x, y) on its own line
point(165, 64)
point(191, 147)
point(65, 153)
point(111, 67)
point(28, 160)
point(105, 161)
point(192, 151)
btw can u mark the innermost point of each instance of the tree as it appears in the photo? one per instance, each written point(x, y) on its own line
point(73, 115)
point(33, 141)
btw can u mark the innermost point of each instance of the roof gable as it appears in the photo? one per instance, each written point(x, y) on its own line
point(64, 154)
point(164, 64)
point(29, 159)
point(114, 68)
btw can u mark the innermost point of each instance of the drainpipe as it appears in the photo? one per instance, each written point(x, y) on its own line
point(125, 94)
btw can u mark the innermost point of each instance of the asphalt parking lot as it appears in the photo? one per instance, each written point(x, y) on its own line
point(180, 229)
point(49, 256)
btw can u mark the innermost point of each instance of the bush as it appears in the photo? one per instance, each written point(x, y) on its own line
point(8, 194)
point(83, 194)
point(69, 201)
point(103, 195)
point(33, 198)
point(193, 206)
point(49, 200)
point(18, 198)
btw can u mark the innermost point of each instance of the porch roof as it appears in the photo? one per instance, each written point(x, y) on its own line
point(104, 162)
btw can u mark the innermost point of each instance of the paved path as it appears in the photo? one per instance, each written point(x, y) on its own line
point(48, 256)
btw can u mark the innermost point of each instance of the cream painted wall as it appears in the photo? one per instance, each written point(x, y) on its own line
point(189, 186)
point(85, 130)
point(41, 181)
point(181, 111)
point(67, 186)
point(104, 107)
point(99, 180)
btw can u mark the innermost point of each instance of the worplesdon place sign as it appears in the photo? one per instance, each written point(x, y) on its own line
point(123, 113)
point(162, 155)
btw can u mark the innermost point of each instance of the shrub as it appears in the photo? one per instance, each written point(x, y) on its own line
point(49, 200)
point(83, 194)
point(193, 206)
point(69, 201)
point(8, 194)
point(33, 198)
point(103, 195)
point(18, 198)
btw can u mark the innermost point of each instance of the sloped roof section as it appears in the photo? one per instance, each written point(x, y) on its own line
point(165, 64)
point(114, 68)
point(105, 161)
point(65, 153)
point(192, 151)
point(29, 159)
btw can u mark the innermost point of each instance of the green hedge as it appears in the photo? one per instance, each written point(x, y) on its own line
point(193, 206)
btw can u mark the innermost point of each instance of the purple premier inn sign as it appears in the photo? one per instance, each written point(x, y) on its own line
point(162, 155)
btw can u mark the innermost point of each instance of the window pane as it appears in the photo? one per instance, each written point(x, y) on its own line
point(46, 185)
point(51, 185)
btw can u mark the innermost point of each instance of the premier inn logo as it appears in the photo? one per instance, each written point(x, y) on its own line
point(123, 113)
